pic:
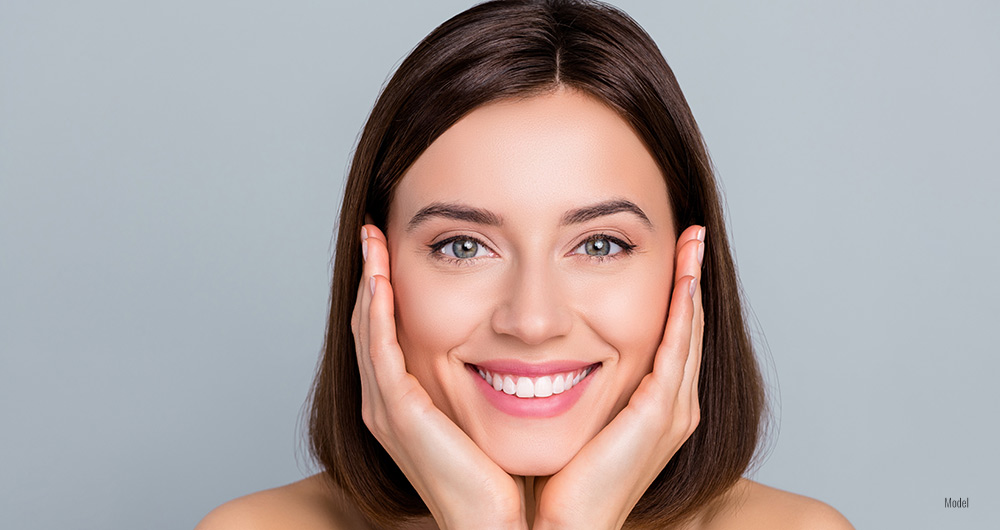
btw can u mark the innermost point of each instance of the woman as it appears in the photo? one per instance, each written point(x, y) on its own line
point(535, 319)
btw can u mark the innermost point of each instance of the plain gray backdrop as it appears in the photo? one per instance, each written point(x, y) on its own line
point(170, 175)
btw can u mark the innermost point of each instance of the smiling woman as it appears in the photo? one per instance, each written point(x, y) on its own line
point(535, 319)
point(539, 230)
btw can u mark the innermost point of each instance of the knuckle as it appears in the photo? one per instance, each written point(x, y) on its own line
point(376, 421)
point(381, 425)
point(695, 421)
point(368, 417)
point(656, 410)
point(356, 317)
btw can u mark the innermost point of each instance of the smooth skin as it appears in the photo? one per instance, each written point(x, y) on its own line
point(533, 290)
point(313, 504)
point(599, 486)
point(553, 177)
point(601, 469)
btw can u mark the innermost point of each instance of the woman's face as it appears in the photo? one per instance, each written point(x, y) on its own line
point(531, 249)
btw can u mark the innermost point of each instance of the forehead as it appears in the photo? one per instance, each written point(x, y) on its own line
point(535, 158)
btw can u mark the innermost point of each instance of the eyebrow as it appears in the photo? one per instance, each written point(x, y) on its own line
point(586, 213)
point(458, 212)
point(461, 212)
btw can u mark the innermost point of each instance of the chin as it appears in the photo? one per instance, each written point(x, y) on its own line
point(537, 467)
point(538, 457)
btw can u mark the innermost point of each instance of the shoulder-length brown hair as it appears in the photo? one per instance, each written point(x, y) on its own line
point(519, 48)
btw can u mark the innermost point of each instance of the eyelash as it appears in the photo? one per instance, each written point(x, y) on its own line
point(435, 248)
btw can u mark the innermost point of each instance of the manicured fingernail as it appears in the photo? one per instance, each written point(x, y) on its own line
point(364, 234)
point(701, 234)
point(694, 284)
point(701, 252)
point(371, 281)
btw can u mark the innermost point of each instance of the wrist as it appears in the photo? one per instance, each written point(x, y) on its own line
point(501, 515)
point(572, 520)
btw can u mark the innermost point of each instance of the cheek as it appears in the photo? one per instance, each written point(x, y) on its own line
point(434, 313)
point(629, 313)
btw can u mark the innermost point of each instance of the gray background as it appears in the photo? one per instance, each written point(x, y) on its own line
point(170, 174)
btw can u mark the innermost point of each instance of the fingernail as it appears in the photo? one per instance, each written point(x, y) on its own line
point(701, 234)
point(701, 252)
point(694, 284)
point(371, 281)
point(364, 234)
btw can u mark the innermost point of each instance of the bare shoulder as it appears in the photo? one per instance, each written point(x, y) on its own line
point(309, 504)
point(751, 505)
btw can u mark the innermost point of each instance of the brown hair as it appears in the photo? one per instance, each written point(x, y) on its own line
point(514, 48)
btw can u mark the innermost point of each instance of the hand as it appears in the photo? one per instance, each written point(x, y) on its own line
point(601, 484)
point(461, 486)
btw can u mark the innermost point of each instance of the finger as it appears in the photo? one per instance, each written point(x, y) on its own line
point(673, 351)
point(692, 370)
point(676, 337)
point(359, 322)
point(687, 393)
point(378, 251)
point(356, 313)
point(690, 250)
point(384, 351)
point(690, 261)
point(691, 233)
point(386, 358)
point(376, 262)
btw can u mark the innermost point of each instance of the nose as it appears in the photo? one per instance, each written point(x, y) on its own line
point(533, 307)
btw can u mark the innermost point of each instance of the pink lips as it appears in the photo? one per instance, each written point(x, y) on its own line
point(537, 407)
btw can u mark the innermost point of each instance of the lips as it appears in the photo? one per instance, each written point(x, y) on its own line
point(524, 386)
point(539, 390)
point(532, 390)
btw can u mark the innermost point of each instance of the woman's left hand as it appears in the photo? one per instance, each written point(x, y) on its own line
point(601, 484)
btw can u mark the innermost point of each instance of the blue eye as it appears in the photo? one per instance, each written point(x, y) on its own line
point(600, 246)
point(461, 248)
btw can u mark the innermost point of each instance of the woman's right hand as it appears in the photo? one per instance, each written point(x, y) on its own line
point(462, 487)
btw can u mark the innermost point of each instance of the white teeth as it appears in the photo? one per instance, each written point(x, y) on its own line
point(543, 387)
point(527, 387)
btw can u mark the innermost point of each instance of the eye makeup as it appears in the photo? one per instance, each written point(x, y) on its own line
point(465, 249)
